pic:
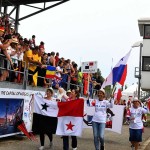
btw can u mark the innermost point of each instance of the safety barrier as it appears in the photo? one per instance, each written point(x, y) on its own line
point(25, 74)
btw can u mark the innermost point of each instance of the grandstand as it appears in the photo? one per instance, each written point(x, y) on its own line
point(15, 8)
point(17, 68)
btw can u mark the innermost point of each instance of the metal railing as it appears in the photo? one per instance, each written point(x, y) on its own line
point(9, 67)
point(25, 74)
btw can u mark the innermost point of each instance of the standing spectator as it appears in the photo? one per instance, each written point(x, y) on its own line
point(30, 63)
point(136, 124)
point(33, 40)
point(42, 45)
point(74, 77)
point(52, 59)
point(80, 76)
point(99, 118)
point(45, 57)
point(57, 58)
point(59, 69)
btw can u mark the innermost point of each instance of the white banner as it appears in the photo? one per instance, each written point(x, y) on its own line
point(117, 120)
point(19, 102)
point(15, 102)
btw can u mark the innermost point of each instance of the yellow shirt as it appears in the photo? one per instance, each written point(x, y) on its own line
point(35, 58)
point(28, 54)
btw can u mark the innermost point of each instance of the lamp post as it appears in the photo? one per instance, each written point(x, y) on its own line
point(139, 44)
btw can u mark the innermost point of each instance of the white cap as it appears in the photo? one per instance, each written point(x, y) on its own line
point(135, 99)
point(102, 90)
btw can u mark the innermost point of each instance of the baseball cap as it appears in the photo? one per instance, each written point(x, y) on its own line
point(69, 91)
point(135, 99)
point(102, 90)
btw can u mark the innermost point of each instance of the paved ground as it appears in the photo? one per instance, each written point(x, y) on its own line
point(113, 141)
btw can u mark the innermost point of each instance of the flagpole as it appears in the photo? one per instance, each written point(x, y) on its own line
point(113, 89)
point(112, 86)
point(88, 83)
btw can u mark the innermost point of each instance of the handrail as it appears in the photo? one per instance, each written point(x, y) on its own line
point(25, 77)
point(11, 70)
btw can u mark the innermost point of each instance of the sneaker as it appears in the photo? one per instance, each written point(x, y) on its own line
point(74, 149)
point(51, 145)
point(41, 148)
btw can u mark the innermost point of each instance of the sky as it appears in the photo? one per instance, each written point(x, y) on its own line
point(90, 30)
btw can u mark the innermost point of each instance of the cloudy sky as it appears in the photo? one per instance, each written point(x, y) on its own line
point(90, 30)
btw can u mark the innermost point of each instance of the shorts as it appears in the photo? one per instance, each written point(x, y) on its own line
point(135, 135)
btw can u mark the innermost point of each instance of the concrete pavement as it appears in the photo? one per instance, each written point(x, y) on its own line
point(113, 141)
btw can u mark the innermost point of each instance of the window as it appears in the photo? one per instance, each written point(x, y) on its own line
point(147, 32)
point(146, 63)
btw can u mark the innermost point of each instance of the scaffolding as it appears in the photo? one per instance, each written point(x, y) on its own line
point(15, 4)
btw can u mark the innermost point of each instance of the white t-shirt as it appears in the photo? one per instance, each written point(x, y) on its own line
point(59, 69)
point(100, 110)
point(137, 114)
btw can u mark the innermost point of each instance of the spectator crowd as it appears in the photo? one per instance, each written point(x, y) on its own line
point(18, 54)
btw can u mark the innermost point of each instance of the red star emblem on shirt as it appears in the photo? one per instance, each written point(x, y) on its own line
point(70, 126)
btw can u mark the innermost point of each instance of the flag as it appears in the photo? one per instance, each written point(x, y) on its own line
point(148, 104)
point(70, 118)
point(119, 95)
point(44, 116)
point(118, 73)
point(51, 73)
point(21, 126)
point(108, 81)
point(62, 118)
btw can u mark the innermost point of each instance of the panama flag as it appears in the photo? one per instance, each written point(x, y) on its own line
point(69, 116)
point(118, 73)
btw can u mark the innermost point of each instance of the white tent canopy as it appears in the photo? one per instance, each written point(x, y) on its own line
point(131, 91)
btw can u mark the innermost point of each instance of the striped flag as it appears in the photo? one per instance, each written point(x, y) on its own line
point(51, 73)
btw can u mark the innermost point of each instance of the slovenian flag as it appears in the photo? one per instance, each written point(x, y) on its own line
point(51, 73)
point(69, 116)
point(118, 73)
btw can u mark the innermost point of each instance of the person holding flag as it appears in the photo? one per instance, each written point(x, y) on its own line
point(74, 96)
point(46, 124)
point(99, 118)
